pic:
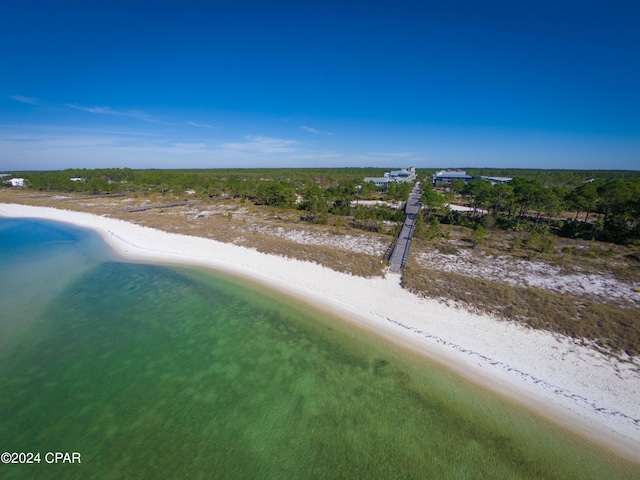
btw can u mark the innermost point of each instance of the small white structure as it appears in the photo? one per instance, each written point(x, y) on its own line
point(16, 182)
point(462, 208)
point(397, 176)
point(379, 181)
point(495, 180)
point(77, 179)
point(444, 177)
point(404, 175)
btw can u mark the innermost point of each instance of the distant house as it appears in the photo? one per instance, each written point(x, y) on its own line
point(495, 180)
point(16, 182)
point(402, 176)
point(443, 178)
point(397, 176)
point(379, 181)
point(446, 176)
point(77, 179)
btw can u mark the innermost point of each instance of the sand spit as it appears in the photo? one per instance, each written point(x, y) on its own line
point(594, 395)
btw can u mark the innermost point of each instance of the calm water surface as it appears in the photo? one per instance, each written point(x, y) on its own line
point(156, 372)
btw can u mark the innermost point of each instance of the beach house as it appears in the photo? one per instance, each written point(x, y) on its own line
point(16, 182)
point(398, 176)
point(443, 178)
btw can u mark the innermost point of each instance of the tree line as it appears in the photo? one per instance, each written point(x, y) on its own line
point(605, 209)
point(317, 192)
point(605, 205)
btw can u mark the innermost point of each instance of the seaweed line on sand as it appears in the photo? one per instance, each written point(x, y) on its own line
point(558, 391)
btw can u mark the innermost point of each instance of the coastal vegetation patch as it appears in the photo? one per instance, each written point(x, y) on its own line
point(614, 330)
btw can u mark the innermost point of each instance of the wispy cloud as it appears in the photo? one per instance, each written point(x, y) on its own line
point(402, 154)
point(54, 147)
point(106, 110)
point(263, 145)
point(23, 99)
point(317, 156)
point(137, 114)
point(315, 131)
point(101, 110)
point(199, 125)
point(392, 154)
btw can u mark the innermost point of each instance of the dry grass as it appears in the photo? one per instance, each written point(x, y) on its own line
point(611, 328)
point(612, 324)
point(568, 255)
point(225, 229)
point(229, 221)
point(75, 202)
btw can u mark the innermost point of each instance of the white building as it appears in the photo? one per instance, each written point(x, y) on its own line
point(379, 181)
point(444, 177)
point(397, 176)
point(16, 182)
point(495, 180)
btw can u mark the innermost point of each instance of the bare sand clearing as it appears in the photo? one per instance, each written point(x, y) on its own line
point(574, 385)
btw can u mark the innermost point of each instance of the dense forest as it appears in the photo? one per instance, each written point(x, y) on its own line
point(555, 178)
point(598, 205)
point(606, 208)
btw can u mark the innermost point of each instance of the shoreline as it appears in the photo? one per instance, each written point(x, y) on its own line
point(571, 385)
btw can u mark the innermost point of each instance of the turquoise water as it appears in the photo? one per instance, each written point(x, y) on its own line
point(156, 372)
point(38, 260)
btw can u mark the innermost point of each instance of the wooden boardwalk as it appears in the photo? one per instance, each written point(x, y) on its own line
point(158, 205)
point(401, 251)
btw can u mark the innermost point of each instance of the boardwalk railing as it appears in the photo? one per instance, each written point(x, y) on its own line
point(159, 205)
point(389, 250)
point(400, 254)
point(405, 254)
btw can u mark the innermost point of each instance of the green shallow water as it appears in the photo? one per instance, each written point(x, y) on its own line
point(158, 372)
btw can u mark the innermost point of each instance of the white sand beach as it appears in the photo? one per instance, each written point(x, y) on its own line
point(574, 385)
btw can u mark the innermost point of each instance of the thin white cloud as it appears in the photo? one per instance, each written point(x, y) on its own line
point(393, 154)
point(315, 131)
point(100, 110)
point(59, 130)
point(23, 99)
point(137, 114)
point(44, 147)
point(64, 150)
point(263, 145)
point(317, 156)
point(199, 125)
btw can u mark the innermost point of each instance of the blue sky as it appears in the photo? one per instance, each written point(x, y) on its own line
point(545, 84)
